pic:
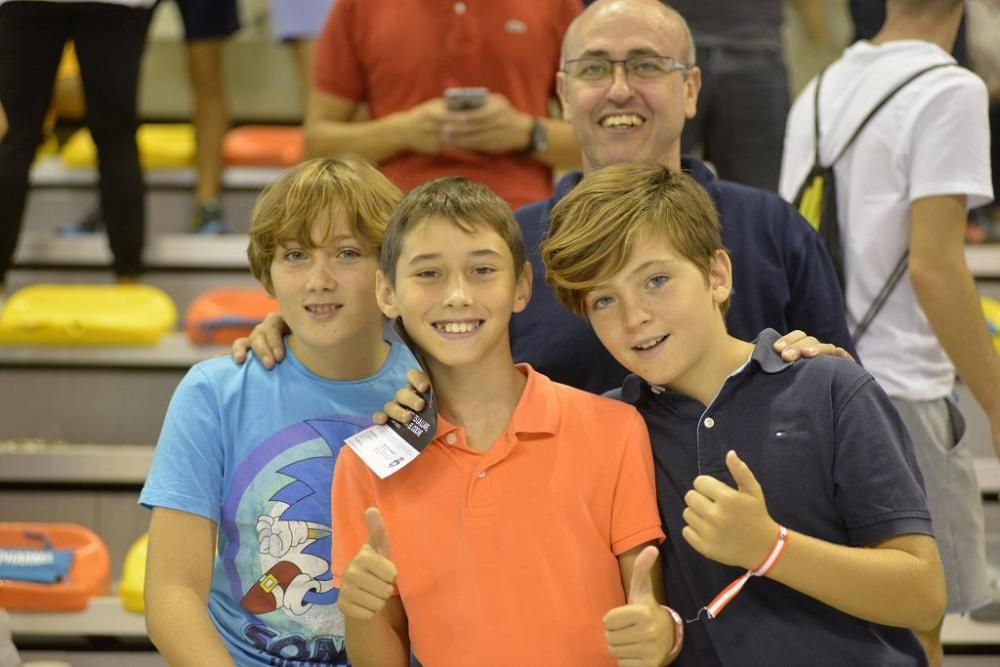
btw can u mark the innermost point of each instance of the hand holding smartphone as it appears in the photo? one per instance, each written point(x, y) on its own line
point(463, 99)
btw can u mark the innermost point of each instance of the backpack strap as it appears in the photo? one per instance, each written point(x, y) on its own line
point(819, 82)
point(881, 297)
point(874, 111)
point(900, 268)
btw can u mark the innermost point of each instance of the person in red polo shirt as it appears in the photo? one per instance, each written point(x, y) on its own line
point(398, 56)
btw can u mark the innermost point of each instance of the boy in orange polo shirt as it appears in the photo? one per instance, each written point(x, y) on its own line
point(513, 531)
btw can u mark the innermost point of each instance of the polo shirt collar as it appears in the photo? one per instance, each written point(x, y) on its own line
point(763, 355)
point(701, 173)
point(537, 411)
point(567, 183)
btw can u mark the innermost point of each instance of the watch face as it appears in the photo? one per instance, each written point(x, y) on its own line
point(539, 137)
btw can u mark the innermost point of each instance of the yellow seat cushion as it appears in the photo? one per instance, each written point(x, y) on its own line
point(161, 146)
point(52, 314)
point(991, 310)
point(132, 586)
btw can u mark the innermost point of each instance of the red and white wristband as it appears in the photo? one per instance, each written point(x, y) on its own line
point(715, 607)
point(678, 634)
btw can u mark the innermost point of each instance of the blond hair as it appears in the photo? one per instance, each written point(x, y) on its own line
point(594, 229)
point(287, 208)
point(460, 201)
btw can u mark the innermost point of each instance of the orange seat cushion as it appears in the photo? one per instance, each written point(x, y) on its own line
point(220, 316)
point(263, 146)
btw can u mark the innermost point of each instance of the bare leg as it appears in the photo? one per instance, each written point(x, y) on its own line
point(303, 51)
point(211, 114)
point(931, 641)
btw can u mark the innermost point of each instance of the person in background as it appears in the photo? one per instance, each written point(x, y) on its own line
point(109, 37)
point(627, 87)
point(740, 123)
point(207, 24)
point(297, 24)
point(984, 59)
point(399, 56)
point(904, 189)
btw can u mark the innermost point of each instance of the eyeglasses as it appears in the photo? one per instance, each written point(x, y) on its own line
point(641, 67)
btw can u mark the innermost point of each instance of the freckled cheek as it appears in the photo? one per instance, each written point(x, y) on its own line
point(607, 333)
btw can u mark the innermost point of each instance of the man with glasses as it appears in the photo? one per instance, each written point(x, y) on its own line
point(627, 83)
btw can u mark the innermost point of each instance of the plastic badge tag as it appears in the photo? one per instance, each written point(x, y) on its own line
point(388, 448)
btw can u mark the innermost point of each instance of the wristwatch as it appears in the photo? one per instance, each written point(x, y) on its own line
point(539, 138)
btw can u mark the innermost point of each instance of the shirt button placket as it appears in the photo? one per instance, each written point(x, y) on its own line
point(710, 453)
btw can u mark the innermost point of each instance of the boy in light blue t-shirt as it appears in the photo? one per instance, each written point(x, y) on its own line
point(238, 568)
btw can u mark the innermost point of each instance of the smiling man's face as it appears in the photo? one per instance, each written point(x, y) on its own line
point(626, 118)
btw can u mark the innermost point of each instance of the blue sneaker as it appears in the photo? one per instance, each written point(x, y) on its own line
point(207, 219)
point(92, 223)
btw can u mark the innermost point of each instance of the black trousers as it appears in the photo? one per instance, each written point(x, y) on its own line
point(109, 43)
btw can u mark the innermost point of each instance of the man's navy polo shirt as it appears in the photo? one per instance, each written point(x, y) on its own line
point(834, 461)
point(782, 276)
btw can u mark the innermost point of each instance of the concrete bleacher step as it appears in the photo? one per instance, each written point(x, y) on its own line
point(61, 195)
point(180, 263)
point(164, 252)
point(984, 261)
point(113, 394)
point(50, 172)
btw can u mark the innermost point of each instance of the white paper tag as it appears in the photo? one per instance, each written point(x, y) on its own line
point(382, 449)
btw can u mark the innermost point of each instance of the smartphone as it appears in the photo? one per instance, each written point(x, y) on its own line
point(462, 99)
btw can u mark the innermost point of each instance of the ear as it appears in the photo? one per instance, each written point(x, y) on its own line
point(561, 84)
point(385, 294)
point(720, 276)
point(692, 86)
point(522, 290)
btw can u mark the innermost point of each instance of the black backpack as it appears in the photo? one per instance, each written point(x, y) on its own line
point(816, 199)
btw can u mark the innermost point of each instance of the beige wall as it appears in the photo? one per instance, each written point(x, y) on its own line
point(261, 81)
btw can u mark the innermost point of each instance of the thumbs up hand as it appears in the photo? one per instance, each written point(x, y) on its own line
point(730, 526)
point(641, 633)
point(368, 580)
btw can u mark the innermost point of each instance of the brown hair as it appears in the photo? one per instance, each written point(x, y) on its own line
point(459, 200)
point(286, 208)
point(594, 229)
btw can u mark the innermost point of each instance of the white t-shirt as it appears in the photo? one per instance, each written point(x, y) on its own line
point(932, 139)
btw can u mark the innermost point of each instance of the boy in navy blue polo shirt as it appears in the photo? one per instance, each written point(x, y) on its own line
point(794, 487)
